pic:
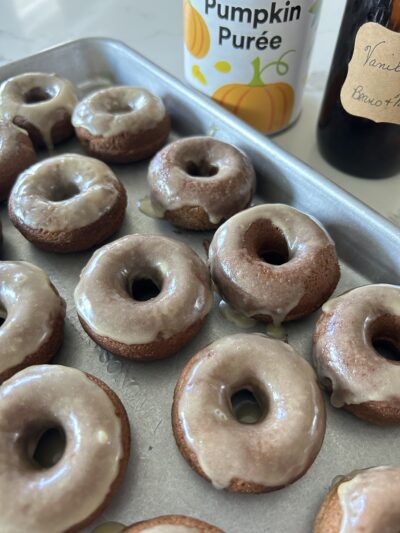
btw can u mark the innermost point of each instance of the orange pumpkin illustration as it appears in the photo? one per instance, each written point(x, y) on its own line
point(197, 36)
point(266, 107)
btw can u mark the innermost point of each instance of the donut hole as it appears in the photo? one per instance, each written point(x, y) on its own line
point(63, 192)
point(144, 289)
point(387, 349)
point(385, 337)
point(37, 95)
point(47, 447)
point(3, 315)
point(248, 406)
point(116, 107)
point(266, 242)
point(201, 169)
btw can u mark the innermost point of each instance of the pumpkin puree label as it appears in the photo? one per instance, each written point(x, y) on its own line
point(372, 86)
point(251, 56)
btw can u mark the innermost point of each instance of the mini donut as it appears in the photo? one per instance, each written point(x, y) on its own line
point(70, 494)
point(33, 314)
point(41, 104)
point(365, 501)
point(16, 154)
point(199, 182)
point(67, 203)
point(263, 456)
point(273, 263)
point(121, 124)
point(172, 524)
point(119, 319)
point(359, 379)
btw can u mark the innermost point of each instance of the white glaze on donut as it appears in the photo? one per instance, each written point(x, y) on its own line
point(171, 528)
point(343, 351)
point(55, 499)
point(221, 195)
point(94, 182)
point(370, 501)
point(252, 290)
point(45, 114)
point(31, 307)
point(276, 450)
point(103, 298)
point(115, 110)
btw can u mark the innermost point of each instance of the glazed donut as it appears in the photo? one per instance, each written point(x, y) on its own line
point(69, 494)
point(268, 454)
point(199, 182)
point(41, 104)
point(33, 314)
point(365, 501)
point(172, 524)
point(67, 203)
point(121, 124)
point(300, 276)
point(16, 154)
point(358, 377)
point(110, 303)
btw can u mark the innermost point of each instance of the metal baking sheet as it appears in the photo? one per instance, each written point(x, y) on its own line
point(158, 480)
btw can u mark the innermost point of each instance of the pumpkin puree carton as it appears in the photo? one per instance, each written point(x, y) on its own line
point(251, 56)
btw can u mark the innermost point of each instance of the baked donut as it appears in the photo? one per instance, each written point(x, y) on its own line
point(16, 154)
point(121, 124)
point(273, 263)
point(39, 492)
point(67, 203)
point(359, 378)
point(172, 524)
point(143, 296)
point(33, 317)
point(365, 501)
point(199, 182)
point(41, 104)
point(280, 445)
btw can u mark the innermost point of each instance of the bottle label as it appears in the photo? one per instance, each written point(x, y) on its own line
point(251, 56)
point(372, 86)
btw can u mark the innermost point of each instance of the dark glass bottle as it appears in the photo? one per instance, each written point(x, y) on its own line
point(353, 144)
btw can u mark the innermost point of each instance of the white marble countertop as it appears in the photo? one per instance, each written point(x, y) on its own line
point(154, 28)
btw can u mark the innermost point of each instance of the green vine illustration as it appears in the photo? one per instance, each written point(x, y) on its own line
point(282, 68)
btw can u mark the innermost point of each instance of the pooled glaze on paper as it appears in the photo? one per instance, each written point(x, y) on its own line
point(256, 292)
point(370, 501)
point(30, 306)
point(281, 446)
point(115, 110)
point(45, 114)
point(96, 191)
point(343, 351)
point(52, 395)
point(221, 195)
point(103, 298)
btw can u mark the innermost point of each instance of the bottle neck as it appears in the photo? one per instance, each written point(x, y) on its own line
point(394, 20)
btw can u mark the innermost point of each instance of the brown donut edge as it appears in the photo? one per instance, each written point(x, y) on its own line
point(125, 147)
point(123, 462)
point(13, 162)
point(159, 349)
point(236, 485)
point(76, 240)
point(380, 413)
point(60, 131)
point(44, 353)
point(174, 520)
point(329, 517)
